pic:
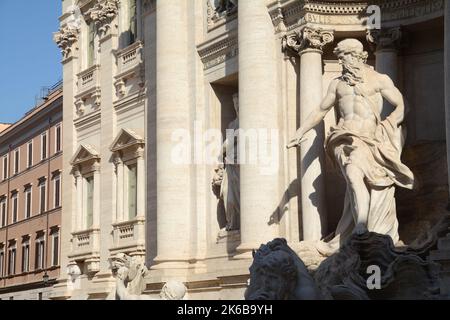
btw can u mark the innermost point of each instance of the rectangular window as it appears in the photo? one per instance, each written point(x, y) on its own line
point(40, 250)
point(26, 257)
point(55, 252)
point(132, 15)
point(91, 44)
point(42, 196)
point(5, 167)
point(15, 207)
point(30, 154)
point(3, 212)
point(89, 201)
point(2, 260)
point(16, 161)
point(57, 190)
point(44, 146)
point(58, 136)
point(12, 261)
point(132, 191)
point(28, 202)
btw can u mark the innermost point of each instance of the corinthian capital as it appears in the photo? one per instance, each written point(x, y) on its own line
point(308, 38)
point(103, 14)
point(384, 39)
point(65, 39)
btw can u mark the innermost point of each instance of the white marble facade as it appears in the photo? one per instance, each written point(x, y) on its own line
point(126, 92)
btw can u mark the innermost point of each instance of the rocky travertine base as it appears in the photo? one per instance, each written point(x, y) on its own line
point(415, 272)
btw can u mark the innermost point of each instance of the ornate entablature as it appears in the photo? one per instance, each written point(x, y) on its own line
point(292, 15)
point(220, 12)
point(219, 52)
point(103, 14)
point(65, 39)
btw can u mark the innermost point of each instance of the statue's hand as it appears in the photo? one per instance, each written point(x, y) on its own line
point(295, 142)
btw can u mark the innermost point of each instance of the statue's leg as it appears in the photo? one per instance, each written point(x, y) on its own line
point(360, 196)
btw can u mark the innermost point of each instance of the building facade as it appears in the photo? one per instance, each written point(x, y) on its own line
point(148, 84)
point(30, 201)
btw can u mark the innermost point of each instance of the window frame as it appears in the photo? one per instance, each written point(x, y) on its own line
point(26, 266)
point(16, 167)
point(3, 211)
point(44, 150)
point(30, 154)
point(58, 138)
point(28, 197)
point(15, 207)
point(55, 239)
point(57, 187)
point(5, 163)
point(43, 196)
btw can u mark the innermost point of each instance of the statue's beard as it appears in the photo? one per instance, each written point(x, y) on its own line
point(353, 73)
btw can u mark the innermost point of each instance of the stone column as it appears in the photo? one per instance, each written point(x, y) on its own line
point(79, 201)
point(309, 43)
point(119, 189)
point(140, 184)
point(385, 44)
point(174, 196)
point(447, 80)
point(97, 198)
point(258, 110)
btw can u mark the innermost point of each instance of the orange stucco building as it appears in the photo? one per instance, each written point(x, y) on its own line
point(30, 201)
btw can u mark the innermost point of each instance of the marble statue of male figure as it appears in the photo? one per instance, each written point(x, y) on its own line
point(227, 176)
point(365, 147)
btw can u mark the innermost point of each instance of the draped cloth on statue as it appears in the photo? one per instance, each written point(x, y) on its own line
point(378, 158)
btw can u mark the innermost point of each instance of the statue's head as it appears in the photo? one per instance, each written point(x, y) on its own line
point(350, 51)
point(173, 290)
point(236, 103)
point(273, 274)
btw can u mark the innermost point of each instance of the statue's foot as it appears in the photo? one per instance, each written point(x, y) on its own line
point(360, 229)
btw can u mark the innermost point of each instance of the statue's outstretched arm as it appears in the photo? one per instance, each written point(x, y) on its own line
point(317, 116)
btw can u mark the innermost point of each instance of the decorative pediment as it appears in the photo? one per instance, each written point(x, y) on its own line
point(84, 153)
point(125, 139)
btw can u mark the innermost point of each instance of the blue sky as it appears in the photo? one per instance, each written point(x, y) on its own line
point(29, 59)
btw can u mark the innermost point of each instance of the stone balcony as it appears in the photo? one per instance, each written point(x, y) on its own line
point(129, 68)
point(85, 245)
point(129, 58)
point(88, 79)
point(129, 237)
point(88, 97)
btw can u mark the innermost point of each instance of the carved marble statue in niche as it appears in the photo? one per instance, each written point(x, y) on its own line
point(225, 184)
point(366, 148)
point(226, 6)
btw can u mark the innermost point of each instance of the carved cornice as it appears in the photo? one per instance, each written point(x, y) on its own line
point(296, 14)
point(219, 52)
point(65, 39)
point(384, 39)
point(307, 38)
point(103, 14)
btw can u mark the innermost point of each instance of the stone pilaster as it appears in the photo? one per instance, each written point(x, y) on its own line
point(308, 43)
point(258, 109)
point(119, 188)
point(386, 43)
point(79, 201)
point(140, 183)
